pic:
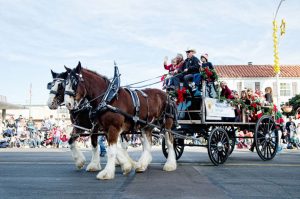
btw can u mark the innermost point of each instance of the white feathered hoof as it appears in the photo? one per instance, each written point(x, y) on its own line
point(106, 175)
point(92, 167)
point(126, 168)
point(140, 167)
point(79, 162)
point(170, 166)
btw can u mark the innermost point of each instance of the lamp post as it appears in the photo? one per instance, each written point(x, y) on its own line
point(276, 54)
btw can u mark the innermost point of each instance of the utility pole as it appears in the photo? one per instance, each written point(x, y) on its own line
point(30, 96)
point(276, 54)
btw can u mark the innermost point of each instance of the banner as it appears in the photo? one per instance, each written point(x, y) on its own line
point(218, 109)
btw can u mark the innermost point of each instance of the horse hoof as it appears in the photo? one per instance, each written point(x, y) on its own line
point(80, 164)
point(126, 168)
point(170, 167)
point(140, 170)
point(104, 175)
point(92, 167)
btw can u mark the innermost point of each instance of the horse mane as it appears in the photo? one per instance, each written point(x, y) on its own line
point(102, 76)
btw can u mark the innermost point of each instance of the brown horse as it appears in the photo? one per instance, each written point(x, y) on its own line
point(85, 84)
point(56, 98)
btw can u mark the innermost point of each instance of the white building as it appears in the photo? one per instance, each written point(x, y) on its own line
point(240, 77)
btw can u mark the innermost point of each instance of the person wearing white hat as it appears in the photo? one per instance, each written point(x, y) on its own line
point(190, 67)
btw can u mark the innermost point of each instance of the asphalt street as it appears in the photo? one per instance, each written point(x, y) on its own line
point(51, 173)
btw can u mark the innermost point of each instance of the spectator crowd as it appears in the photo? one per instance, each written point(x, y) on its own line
point(27, 133)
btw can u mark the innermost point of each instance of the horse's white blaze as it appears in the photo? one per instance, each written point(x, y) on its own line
point(146, 156)
point(69, 100)
point(51, 104)
point(77, 155)
point(95, 162)
point(109, 171)
point(171, 164)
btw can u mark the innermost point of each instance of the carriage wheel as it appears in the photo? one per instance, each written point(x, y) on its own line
point(266, 138)
point(218, 146)
point(178, 147)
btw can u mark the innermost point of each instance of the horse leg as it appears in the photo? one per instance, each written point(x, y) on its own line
point(146, 156)
point(109, 171)
point(171, 164)
point(76, 153)
point(123, 158)
point(95, 162)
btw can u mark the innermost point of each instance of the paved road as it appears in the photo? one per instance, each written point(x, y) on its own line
point(50, 173)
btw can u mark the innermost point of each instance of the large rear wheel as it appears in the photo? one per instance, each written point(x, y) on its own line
point(266, 138)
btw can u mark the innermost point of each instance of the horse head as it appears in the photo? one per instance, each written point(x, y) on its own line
point(74, 88)
point(56, 87)
point(83, 84)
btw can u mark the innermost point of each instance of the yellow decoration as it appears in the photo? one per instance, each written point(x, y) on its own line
point(282, 27)
point(275, 40)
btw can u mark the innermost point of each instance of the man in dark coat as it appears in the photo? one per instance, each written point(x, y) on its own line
point(190, 67)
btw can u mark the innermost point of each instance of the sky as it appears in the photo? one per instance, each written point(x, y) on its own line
point(37, 36)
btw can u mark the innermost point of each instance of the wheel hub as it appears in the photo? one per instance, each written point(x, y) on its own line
point(220, 146)
point(268, 137)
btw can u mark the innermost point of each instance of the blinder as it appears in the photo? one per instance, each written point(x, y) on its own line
point(73, 79)
point(50, 85)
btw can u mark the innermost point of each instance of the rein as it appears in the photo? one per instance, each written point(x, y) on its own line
point(143, 86)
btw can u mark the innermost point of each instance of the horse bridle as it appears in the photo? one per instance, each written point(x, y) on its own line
point(73, 78)
point(51, 84)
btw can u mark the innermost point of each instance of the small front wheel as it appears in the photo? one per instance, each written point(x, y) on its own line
point(218, 146)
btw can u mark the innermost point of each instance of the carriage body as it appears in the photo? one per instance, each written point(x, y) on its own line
point(202, 125)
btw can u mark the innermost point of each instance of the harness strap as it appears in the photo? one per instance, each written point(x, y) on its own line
point(136, 103)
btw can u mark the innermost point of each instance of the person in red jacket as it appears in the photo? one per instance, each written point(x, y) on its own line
point(226, 92)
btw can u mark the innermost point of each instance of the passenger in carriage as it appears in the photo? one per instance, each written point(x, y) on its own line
point(170, 68)
point(226, 92)
point(190, 67)
point(207, 67)
point(268, 95)
point(172, 82)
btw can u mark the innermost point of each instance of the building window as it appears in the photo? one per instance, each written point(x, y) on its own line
point(294, 88)
point(239, 87)
point(248, 85)
point(257, 86)
point(285, 89)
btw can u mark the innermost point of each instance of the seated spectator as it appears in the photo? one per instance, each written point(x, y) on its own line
point(226, 92)
point(245, 139)
point(23, 138)
point(64, 140)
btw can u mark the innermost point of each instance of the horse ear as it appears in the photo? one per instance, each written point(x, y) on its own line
point(78, 68)
point(67, 69)
point(54, 74)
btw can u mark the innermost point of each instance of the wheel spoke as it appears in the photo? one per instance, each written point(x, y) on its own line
point(260, 138)
point(273, 146)
point(261, 133)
